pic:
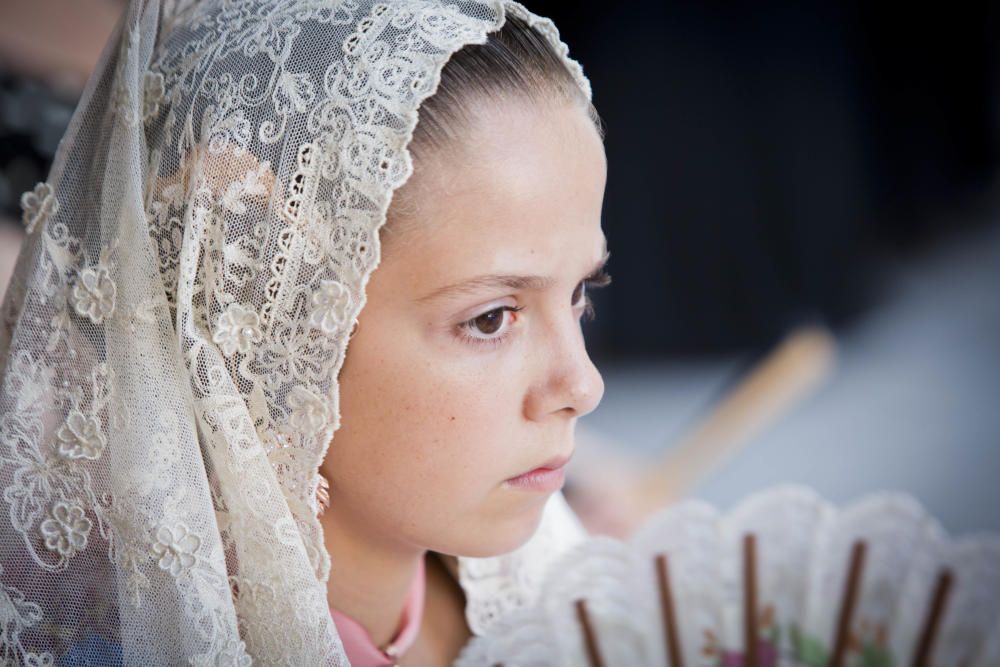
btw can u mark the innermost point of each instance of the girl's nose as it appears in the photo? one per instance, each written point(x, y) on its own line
point(569, 382)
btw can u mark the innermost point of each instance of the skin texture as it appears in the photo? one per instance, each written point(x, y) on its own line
point(432, 423)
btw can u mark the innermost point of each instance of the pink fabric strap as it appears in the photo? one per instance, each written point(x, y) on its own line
point(358, 644)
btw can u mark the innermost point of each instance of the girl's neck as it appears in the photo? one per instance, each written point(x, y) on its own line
point(370, 578)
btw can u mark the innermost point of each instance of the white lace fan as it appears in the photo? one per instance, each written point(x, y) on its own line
point(784, 579)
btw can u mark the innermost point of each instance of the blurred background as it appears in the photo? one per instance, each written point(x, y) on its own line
point(803, 211)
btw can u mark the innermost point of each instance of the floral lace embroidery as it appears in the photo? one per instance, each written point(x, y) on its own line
point(237, 329)
point(38, 205)
point(80, 437)
point(330, 306)
point(175, 548)
point(234, 653)
point(38, 659)
point(123, 102)
point(255, 182)
point(152, 95)
point(18, 615)
point(261, 289)
point(93, 295)
point(44, 482)
point(310, 413)
point(66, 530)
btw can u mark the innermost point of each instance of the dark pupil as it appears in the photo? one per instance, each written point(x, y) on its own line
point(577, 293)
point(490, 322)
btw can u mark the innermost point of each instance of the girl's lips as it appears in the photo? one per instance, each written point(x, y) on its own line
point(539, 479)
point(549, 477)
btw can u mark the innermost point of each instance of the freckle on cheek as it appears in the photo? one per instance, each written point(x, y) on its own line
point(452, 418)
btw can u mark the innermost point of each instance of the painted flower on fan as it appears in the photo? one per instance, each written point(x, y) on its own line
point(237, 329)
point(38, 205)
point(330, 306)
point(175, 548)
point(310, 413)
point(80, 437)
point(94, 293)
point(66, 530)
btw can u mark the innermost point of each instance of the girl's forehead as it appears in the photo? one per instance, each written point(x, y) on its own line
point(541, 162)
point(491, 251)
point(530, 206)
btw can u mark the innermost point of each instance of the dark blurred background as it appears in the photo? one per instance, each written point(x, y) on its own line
point(767, 155)
point(770, 164)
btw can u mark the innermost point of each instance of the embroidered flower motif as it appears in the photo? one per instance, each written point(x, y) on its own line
point(294, 91)
point(231, 131)
point(330, 306)
point(67, 530)
point(256, 182)
point(292, 353)
point(38, 659)
point(94, 293)
point(237, 329)
point(152, 95)
point(38, 205)
point(309, 412)
point(175, 548)
point(18, 616)
point(80, 437)
point(122, 101)
point(235, 653)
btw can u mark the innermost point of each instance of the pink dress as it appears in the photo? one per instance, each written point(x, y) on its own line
point(358, 644)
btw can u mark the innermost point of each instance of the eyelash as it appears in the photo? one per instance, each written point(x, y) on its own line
point(599, 278)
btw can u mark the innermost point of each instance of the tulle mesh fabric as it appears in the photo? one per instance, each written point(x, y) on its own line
point(171, 337)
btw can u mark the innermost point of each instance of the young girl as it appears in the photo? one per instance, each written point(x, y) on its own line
point(197, 467)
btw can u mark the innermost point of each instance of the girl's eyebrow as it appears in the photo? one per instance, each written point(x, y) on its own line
point(510, 281)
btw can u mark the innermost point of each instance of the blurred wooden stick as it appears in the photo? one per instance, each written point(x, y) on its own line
point(781, 380)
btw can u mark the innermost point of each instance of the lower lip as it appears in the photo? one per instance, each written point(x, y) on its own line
point(540, 479)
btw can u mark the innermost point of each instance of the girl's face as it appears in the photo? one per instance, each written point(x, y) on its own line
point(446, 391)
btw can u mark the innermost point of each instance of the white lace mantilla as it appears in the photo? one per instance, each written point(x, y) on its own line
point(173, 331)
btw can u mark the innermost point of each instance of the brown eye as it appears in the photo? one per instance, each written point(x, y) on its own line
point(489, 323)
point(490, 327)
point(577, 294)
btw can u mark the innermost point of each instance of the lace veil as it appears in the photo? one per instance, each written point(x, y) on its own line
point(177, 318)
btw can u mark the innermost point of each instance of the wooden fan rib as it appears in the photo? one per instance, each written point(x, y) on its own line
point(589, 636)
point(750, 630)
point(932, 622)
point(669, 612)
point(848, 603)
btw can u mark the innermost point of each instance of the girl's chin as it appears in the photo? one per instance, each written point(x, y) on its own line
point(496, 539)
